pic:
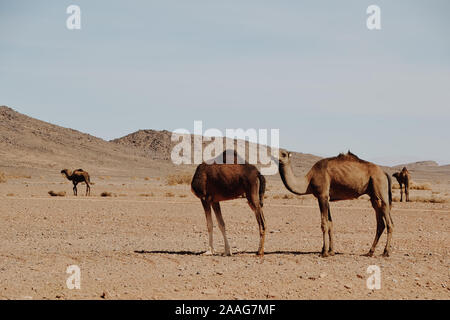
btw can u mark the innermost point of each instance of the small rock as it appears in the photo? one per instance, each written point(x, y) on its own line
point(359, 276)
point(347, 286)
point(104, 295)
point(209, 291)
point(219, 273)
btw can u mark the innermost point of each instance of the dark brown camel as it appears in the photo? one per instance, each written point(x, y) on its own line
point(76, 177)
point(342, 178)
point(403, 179)
point(214, 182)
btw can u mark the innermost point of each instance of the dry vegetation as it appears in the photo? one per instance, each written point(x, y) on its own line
point(169, 194)
point(2, 177)
point(420, 186)
point(283, 196)
point(432, 199)
point(175, 179)
point(57, 194)
point(146, 194)
point(414, 186)
point(106, 194)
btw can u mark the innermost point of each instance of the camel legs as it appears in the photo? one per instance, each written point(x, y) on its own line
point(380, 225)
point(217, 211)
point(88, 189)
point(385, 208)
point(75, 191)
point(253, 202)
point(209, 224)
point(401, 192)
point(383, 216)
point(327, 227)
point(330, 232)
point(407, 192)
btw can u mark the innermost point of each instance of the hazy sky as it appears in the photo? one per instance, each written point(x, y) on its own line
point(309, 68)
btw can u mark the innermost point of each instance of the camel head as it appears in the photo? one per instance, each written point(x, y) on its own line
point(284, 157)
point(66, 172)
point(396, 175)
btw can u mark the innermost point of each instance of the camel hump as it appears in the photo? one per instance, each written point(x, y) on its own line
point(81, 170)
point(233, 157)
point(349, 156)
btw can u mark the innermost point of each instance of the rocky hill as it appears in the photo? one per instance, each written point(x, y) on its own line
point(28, 142)
point(33, 144)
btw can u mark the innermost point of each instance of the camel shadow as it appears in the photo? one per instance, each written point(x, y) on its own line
point(181, 253)
point(199, 253)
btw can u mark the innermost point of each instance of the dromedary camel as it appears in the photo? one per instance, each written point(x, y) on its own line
point(403, 178)
point(214, 182)
point(76, 177)
point(341, 178)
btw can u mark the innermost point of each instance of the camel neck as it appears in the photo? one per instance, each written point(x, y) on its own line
point(297, 185)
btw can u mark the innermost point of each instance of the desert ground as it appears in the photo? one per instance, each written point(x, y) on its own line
point(144, 238)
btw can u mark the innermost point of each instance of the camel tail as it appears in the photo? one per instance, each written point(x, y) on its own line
point(262, 188)
point(389, 188)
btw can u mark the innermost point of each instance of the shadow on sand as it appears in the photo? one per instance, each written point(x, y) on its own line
point(199, 253)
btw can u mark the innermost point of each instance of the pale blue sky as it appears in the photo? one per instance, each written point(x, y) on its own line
point(310, 68)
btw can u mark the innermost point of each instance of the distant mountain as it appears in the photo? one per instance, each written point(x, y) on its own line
point(28, 142)
point(418, 164)
point(31, 143)
point(155, 144)
point(158, 145)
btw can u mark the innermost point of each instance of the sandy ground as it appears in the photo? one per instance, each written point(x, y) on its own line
point(146, 243)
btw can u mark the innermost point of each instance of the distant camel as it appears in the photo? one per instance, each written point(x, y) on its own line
point(342, 178)
point(76, 177)
point(214, 182)
point(403, 179)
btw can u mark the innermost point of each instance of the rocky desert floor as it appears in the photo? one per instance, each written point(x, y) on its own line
point(145, 241)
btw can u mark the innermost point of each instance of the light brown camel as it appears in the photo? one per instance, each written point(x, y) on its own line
point(76, 177)
point(403, 179)
point(214, 182)
point(341, 178)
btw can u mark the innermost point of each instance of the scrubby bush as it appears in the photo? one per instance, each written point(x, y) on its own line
point(175, 179)
point(57, 194)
